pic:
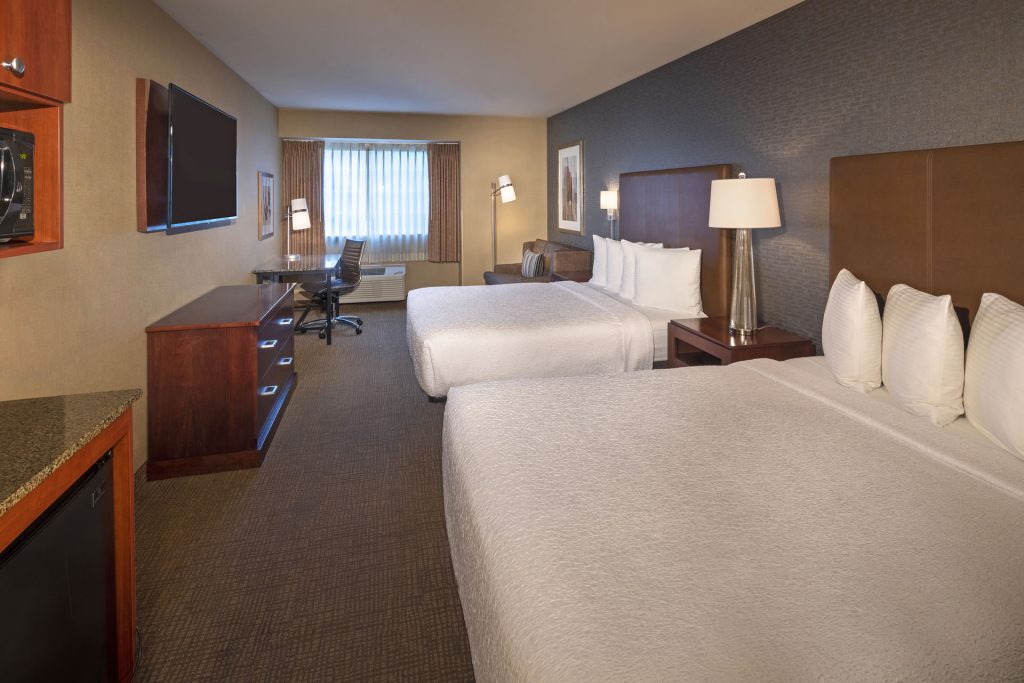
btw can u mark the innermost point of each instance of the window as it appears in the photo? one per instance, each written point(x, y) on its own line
point(379, 193)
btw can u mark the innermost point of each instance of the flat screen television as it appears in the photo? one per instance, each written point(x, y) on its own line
point(201, 163)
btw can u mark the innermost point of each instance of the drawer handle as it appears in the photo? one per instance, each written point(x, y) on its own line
point(285, 321)
point(269, 344)
point(268, 391)
point(16, 66)
point(287, 360)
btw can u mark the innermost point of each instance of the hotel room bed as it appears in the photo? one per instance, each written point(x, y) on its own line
point(757, 521)
point(462, 335)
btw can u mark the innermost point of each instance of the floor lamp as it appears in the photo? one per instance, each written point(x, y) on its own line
point(298, 219)
point(740, 205)
point(503, 186)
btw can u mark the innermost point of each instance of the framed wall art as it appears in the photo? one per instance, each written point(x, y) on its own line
point(570, 188)
point(265, 214)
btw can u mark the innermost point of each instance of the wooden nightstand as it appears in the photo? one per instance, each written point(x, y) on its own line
point(706, 341)
point(573, 275)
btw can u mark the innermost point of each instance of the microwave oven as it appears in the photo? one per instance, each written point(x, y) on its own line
point(17, 152)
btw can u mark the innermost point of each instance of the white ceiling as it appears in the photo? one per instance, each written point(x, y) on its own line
point(517, 58)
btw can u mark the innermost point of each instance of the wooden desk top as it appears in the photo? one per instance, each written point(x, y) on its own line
point(229, 306)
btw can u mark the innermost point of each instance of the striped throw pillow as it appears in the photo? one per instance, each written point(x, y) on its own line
point(533, 264)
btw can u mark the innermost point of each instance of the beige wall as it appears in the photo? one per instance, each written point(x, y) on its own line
point(491, 146)
point(72, 320)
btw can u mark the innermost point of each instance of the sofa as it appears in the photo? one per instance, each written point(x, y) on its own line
point(557, 256)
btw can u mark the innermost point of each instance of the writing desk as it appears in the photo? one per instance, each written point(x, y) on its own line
point(308, 266)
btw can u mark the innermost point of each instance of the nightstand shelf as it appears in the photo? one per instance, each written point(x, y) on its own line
point(706, 341)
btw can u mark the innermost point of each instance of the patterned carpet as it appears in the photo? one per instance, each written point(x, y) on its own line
point(328, 563)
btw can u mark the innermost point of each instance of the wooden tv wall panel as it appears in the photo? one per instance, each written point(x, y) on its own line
point(151, 133)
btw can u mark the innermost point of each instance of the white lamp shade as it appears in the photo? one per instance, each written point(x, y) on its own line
point(744, 203)
point(300, 214)
point(610, 200)
point(508, 193)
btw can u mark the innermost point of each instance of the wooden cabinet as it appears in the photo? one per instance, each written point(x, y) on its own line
point(221, 373)
point(38, 34)
point(49, 445)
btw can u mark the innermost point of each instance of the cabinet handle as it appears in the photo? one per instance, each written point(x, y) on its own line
point(15, 66)
point(268, 391)
point(287, 360)
point(268, 344)
point(285, 321)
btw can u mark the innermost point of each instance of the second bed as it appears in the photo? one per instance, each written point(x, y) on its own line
point(464, 335)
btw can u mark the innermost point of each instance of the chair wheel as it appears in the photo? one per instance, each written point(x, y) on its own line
point(322, 335)
point(359, 330)
point(359, 320)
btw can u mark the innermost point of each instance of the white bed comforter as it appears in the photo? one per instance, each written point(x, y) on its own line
point(464, 335)
point(752, 522)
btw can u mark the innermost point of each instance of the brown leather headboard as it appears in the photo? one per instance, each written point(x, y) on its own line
point(671, 207)
point(945, 221)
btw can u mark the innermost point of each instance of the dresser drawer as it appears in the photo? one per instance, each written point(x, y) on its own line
point(270, 389)
point(281, 323)
point(285, 357)
point(273, 334)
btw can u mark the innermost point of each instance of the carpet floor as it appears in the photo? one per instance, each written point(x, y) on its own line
point(328, 563)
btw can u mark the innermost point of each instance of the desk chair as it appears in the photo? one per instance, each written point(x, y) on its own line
point(327, 296)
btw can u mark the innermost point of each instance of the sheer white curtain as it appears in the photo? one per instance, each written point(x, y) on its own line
point(379, 193)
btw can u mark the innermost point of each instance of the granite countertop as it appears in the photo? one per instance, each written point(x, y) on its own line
point(41, 434)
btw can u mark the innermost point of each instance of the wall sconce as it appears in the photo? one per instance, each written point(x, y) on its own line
point(610, 203)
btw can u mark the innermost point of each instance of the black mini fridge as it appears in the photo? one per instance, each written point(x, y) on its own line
point(57, 588)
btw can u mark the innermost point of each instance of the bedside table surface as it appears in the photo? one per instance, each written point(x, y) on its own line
point(716, 330)
point(573, 275)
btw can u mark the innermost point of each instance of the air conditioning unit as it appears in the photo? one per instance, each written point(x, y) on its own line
point(378, 283)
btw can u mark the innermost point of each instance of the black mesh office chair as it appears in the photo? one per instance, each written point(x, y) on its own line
point(327, 297)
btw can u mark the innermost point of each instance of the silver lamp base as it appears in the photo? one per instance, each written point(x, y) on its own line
point(743, 311)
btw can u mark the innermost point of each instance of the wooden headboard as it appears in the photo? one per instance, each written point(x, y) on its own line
point(945, 221)
point(671, 207)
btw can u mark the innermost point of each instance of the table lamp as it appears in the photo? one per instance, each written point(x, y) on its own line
point(298, 219)
point(743, 204)
point(504, 188)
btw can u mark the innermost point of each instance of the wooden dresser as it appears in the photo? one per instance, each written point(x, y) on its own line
point(221, 373)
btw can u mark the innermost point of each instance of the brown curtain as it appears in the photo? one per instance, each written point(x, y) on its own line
point(303, 176)
point(444, 239)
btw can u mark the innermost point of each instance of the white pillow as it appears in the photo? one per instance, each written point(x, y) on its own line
point(627, 290)
point(851, 334)
point(599, 271)
point(669, 279)
point(613, 274)
point(994, 381)
point(923, 354)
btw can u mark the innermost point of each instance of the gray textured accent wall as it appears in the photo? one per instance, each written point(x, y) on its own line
point(825, 78)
